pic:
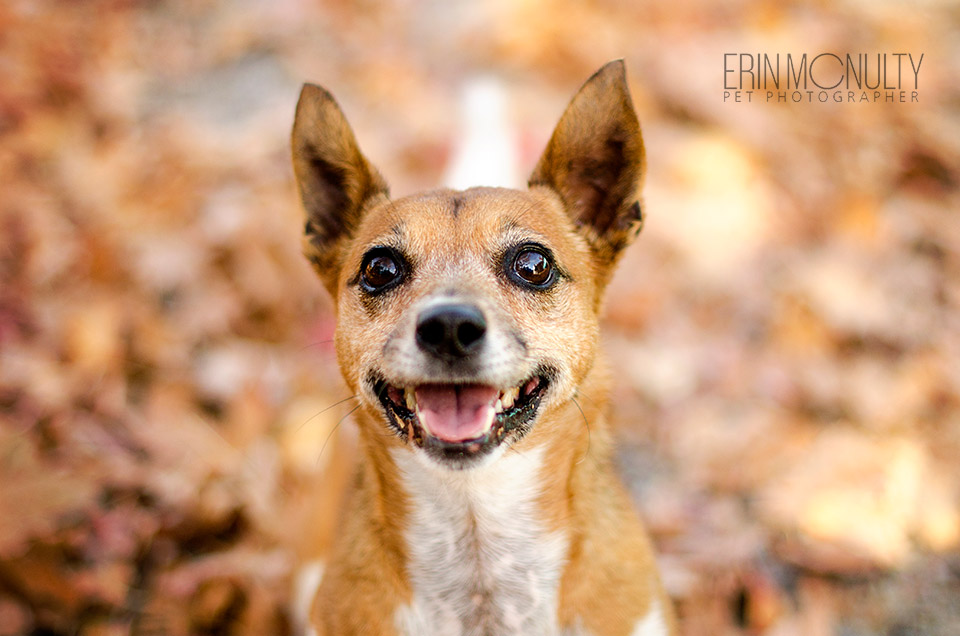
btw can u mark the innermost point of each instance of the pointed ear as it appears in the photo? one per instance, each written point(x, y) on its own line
point(595, 162)
point(335, 180)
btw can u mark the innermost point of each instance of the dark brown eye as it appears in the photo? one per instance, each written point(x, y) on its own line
point(534, 267)
point(380, 270)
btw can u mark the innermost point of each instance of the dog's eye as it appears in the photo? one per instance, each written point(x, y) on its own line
point(533, 267)
point(380, 270)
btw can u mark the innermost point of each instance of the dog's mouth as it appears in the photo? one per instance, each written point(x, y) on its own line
point(461, 421)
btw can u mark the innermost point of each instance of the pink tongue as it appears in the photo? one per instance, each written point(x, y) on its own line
point(456, 413)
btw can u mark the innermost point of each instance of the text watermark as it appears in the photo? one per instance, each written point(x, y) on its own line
point(821, 78)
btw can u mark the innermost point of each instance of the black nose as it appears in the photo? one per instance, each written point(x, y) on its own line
point(451, 331)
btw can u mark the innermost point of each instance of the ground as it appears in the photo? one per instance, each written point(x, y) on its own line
point(785, 332)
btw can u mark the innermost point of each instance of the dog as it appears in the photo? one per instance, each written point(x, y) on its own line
point(486, 502)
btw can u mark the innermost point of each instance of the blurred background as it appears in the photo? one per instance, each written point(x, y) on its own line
point(786, 329)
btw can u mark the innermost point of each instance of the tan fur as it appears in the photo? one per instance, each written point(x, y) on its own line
point(582, 204)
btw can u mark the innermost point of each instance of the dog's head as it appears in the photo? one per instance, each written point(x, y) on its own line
point(466, 317)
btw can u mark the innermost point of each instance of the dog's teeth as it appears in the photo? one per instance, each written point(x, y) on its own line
point(509, 397)
point(498, 407)
point(410, 398)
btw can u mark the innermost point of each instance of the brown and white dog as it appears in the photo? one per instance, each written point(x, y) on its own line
point(467, 324)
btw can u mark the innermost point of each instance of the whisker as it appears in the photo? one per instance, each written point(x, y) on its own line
point(334, 430)
point(316, 344)
point(583, 395)
point(315, 415)
point(573, 399)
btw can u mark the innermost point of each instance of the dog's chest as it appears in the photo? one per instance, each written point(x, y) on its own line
point(481, 562)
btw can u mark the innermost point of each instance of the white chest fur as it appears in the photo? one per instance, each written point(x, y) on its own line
point(481, 562)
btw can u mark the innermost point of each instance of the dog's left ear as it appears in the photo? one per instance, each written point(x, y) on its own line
point(335, 180)
point(595, 162)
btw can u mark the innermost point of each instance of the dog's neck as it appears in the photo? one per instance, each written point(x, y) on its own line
point(480, 556)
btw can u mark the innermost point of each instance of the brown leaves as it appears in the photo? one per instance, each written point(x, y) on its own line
point(784, 332)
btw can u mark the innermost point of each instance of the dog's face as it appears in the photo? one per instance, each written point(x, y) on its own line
point(463, 315)
point(464, 318)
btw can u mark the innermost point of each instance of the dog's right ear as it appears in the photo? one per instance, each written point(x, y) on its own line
point(335, 180)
